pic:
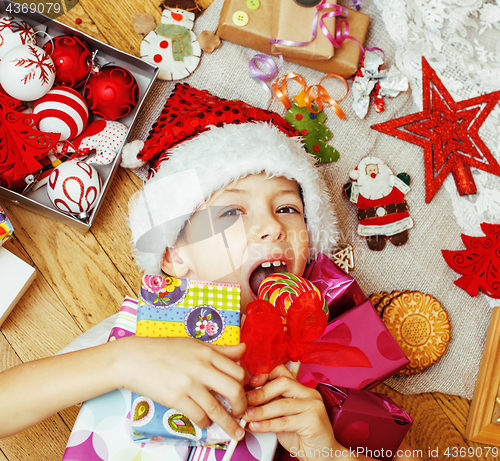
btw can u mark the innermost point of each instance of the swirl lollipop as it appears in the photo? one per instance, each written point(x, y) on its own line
point(282, 288)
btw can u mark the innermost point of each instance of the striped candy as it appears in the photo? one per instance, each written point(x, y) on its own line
point(62, 110)
point(282, 288)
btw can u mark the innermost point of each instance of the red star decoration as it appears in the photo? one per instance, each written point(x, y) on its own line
point(448, 132)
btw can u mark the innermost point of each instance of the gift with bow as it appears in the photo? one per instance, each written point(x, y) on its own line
point(270, 343)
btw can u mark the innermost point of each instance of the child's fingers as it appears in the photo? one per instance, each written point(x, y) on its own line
point(224, 360)
point(281, 387)
point(194, 412)
point(259, 380)
point(299, 423)
point(282, 408)
point(217, 413)
point(280, 370)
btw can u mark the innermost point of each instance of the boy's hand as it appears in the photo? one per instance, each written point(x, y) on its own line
point(294, 412)
point(180, 373)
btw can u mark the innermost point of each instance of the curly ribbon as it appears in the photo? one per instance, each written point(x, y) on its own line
point(315, 94)
point(258, 75)
point(270, 344)
point(281, 89)
point(340, 36)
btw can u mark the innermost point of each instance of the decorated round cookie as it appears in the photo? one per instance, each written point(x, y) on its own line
point(282, 288)
point(420, 326)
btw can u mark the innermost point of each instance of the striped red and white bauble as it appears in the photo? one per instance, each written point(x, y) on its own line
point(62, 110)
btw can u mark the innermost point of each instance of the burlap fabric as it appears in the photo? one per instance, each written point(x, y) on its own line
point(418, 265)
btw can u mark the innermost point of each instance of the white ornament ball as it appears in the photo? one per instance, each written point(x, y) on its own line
point(27, 72)
point(14, 32)
point(62, 110)
point(74, 188)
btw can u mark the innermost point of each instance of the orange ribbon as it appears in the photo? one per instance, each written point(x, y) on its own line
point(315, 95)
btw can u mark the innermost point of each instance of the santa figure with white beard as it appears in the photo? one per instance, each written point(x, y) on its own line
point(379, 196)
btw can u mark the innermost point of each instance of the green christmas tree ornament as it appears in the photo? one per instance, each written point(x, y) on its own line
point(314, 132)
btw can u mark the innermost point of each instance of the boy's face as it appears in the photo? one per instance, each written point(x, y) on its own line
point(255, 227)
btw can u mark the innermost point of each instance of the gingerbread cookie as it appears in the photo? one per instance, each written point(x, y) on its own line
point(420, 325)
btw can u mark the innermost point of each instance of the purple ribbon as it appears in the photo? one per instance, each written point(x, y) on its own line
point(260, 76)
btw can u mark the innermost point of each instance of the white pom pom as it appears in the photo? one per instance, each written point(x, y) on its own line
point(129, 154)
point(354, 175)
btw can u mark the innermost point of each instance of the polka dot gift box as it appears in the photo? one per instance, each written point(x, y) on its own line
point(177, 307)
point(360, 327)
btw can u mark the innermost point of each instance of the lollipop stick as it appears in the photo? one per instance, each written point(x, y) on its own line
point(232, 445)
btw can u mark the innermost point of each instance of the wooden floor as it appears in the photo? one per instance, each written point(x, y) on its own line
point(82, 279)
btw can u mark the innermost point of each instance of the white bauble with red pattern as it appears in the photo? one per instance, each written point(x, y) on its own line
point(14, 32)
point(62, 110)
point(74, 188)
point(27, 72)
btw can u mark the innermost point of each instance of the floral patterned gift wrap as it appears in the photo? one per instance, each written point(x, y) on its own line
point(177, 307)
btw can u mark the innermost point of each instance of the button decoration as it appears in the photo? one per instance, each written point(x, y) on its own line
point(240, 18)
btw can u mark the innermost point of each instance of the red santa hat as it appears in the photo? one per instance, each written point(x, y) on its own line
point(200, 144)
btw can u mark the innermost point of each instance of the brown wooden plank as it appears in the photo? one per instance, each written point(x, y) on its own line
point(74, 265)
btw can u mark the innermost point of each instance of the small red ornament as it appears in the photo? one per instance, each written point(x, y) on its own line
point(479, 264)
point(72, 58)
point(448, 132)
point(111, 92)
point(78, 20)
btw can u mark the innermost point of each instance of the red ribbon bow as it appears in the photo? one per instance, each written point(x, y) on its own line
point(269, 345)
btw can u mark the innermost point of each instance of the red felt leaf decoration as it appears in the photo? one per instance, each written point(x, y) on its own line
point(479, 264)
point(22, 145)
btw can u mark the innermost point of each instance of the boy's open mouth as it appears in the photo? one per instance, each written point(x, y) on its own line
point(265, 270)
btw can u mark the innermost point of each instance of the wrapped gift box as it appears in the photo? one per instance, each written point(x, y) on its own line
point(369, 423)
point(102, 429)
point(293, 22)
point(15, 278)
point(339, 289)
point(177, 307)
point(257, 32)
point(361, 327)
point(6, 228)
point(144, 73)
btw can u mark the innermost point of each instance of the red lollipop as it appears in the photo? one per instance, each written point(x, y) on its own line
point(111, 92)
point(72, 58)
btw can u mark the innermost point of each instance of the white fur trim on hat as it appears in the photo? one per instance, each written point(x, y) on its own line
point(212, 160)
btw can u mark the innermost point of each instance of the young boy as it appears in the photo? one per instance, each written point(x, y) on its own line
point(250, 202)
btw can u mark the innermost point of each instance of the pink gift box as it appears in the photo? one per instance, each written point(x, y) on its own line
point(339, 289)
point(369, 423)
point(361, 327)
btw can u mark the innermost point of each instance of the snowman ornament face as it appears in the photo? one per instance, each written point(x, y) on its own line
point(173, 46)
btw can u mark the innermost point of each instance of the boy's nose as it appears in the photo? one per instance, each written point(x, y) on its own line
point(270, 229)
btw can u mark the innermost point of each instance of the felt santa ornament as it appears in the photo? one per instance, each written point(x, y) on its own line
point(379, 196)
point(216, 141)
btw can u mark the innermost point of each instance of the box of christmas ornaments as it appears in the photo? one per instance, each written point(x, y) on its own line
point(67, 105)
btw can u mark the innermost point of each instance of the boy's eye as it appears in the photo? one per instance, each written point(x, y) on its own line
point(287, 209)
point(231, 212)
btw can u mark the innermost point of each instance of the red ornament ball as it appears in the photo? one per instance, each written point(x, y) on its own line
point(72, 58)
point(78, 20)
point(111, 92)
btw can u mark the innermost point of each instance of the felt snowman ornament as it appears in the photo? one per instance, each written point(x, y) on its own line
point(173, 46)
point(379, 196)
